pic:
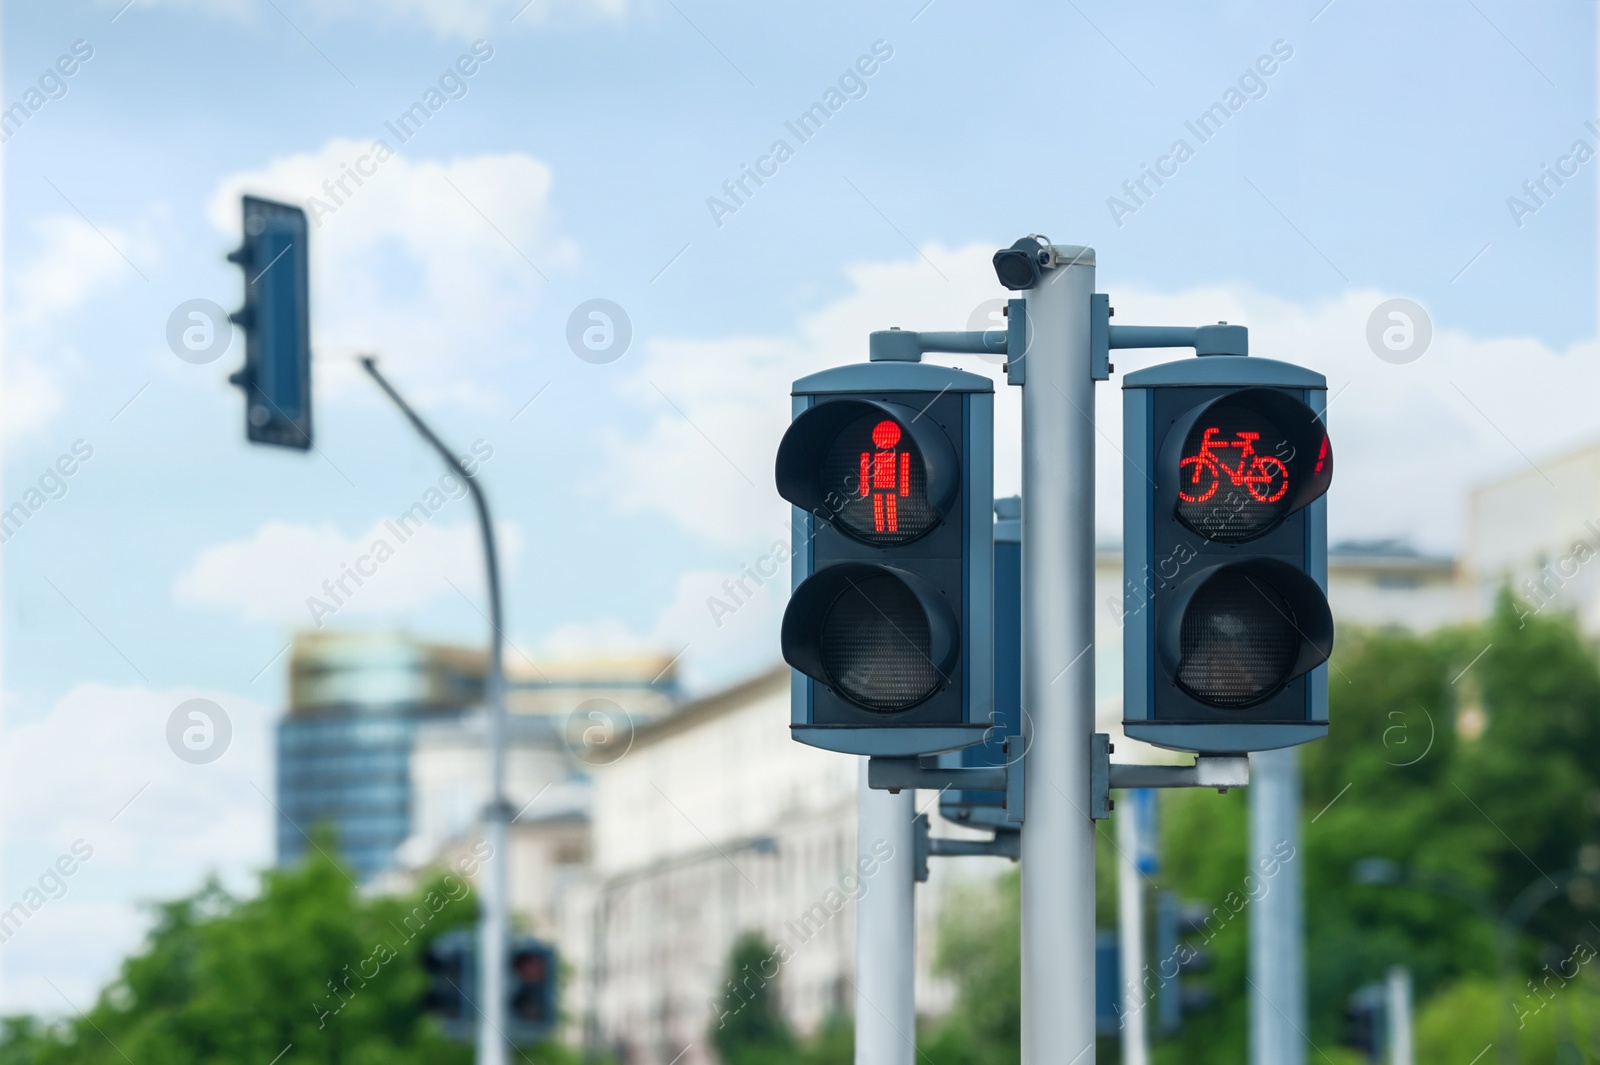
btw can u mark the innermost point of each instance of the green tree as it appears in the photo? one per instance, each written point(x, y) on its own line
point(750, 1028)
point(1470, 757)
point(309, 962)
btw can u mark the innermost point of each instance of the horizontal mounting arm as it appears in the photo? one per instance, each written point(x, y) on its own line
point(907, 345)
point(1219, 339)
point(1005, 843)
point(1220, 771)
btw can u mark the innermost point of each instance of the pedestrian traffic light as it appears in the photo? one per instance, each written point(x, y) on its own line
point(533, 990)
point(890, 467)
point(450, 964)
point(1227, 629)
point(1180, 950)
point(276, 319)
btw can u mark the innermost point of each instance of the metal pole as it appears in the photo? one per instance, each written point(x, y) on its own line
point(1130, 931)
point(1058, 665)
point(494, 925)
point(886, 1015)
point(1277, 922)
point(1400, 1051)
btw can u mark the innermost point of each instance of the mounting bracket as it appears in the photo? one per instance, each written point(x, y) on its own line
point(892, 774)
point(1005, 843)
point(1220, 771)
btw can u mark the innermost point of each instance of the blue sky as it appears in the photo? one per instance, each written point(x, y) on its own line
point(1375, 161)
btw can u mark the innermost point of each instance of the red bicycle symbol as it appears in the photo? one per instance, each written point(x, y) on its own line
point(1263, 476)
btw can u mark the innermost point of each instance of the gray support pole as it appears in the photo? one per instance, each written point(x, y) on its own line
point(1277, 922)
point(1400, 1048)
point(1130, 937)
point(886, 941)
point(1058, 666)
point(495, 892)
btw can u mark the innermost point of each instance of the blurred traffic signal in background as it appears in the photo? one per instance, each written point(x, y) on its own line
point(1179, 951)
point(1227, 626)
point(890, 468)
point(1366, 1021)
point(451, 962)
point(276, 319)
point(533, 990)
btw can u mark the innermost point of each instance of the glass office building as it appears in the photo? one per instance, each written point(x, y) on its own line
point(344, 749)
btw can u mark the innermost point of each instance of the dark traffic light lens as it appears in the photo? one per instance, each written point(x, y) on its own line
point(1233, 476)
point(1238, 642)
point(876, 646)
point(877, 483)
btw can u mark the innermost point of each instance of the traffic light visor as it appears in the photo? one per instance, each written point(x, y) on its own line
point(879, 472)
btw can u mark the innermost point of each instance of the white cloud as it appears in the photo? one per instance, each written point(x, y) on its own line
point(298, 574)
point(718, 407)
point(96, 767)
point(65, 263)
point(1409, 440)
point(72, 261)
point(723, 624)
point(426, 263)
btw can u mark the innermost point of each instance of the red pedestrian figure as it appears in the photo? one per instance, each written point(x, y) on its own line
point(885, 475)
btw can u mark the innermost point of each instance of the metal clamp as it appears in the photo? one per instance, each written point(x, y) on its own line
point(1005, 843)
point(893, 774)
point(1220, 771)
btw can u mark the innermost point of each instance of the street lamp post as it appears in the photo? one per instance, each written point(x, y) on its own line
point(494, 924)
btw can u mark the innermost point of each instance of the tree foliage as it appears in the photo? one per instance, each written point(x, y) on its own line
point(308, 963)
point(1469, 757)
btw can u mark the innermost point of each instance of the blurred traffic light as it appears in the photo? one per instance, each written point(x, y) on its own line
point(890, 468)
point(451, 963)
point(1179, 951)
point(1366, 1021)
point(276, 319)
point(533, 990)
point(1227, 624)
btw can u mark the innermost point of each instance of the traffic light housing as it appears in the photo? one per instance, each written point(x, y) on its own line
point(889, 466)
point(276, 319)
point(1179, 951)
point(451, 964)
point(1366, 1022)
point(1227, 628)
point(534, 971)
point(966, 806)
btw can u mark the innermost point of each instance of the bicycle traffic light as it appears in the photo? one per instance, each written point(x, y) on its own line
point(890, 468)
point(276, 319)
point(1227, 628)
